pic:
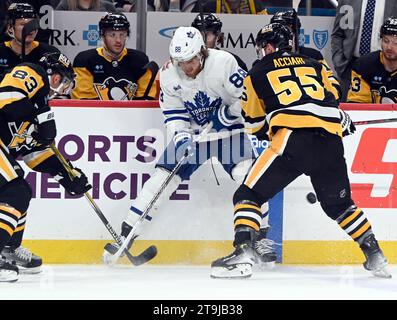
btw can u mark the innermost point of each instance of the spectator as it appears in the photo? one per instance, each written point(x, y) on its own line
point(377, 83)
point(210, 27)
point(113, 72)
point(86, 5)
point(3, 21)
point(355, 33)
point(18, 15)
point(234, 6)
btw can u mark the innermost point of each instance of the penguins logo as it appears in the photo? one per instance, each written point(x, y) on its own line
point(111, 89)
point(21, 136)
point(387, 96)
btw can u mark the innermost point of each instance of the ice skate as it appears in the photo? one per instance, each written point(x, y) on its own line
point(8, 271)
point(264, 251)
point(27, 262)
point(236, 265)
point(376, 261)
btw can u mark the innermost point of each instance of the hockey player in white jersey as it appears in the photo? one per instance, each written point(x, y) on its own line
point(198, 86)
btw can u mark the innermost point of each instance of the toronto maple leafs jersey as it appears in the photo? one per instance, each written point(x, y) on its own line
point(187, 103)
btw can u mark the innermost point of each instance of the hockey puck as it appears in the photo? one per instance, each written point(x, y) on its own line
point(311, 197)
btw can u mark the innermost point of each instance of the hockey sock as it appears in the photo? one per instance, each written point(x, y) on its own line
point(16, 238)
point(355, 224)
point(247, 213)
point(8, 221)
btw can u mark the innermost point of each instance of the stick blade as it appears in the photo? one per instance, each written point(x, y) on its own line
point(147, 255)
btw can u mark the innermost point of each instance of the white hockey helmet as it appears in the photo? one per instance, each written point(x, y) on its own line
point(186, 43)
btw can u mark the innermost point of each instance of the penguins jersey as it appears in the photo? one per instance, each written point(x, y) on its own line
point(23, 91)
point(130, 77)
point(9, 59)
point(288, 90)
point(371, 82)
point(317, 55)
point(187, 103)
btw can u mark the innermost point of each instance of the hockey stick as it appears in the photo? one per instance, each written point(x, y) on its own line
point(142, 258)
point(27, 29)
point(360, 123)
point(113, 259)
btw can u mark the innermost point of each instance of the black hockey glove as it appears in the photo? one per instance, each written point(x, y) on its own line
point(46, 130)
point(76, 186)
point(348, 126)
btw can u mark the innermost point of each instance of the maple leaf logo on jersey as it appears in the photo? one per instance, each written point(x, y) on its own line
point(202, 106)
point(21, 136)
point(112, 89)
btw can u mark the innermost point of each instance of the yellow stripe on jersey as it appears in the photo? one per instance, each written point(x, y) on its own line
point(252, 106)
point(35, 158)
point(84, 88)
point(360, 90)
point(350, 218)
point(302, 121)
point(100, 52)
point(276, 148)
point(24, 78)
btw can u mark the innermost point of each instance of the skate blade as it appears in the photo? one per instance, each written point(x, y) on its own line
point(34, 270)
point(8, 276)
point(382, 273)
point(239, 271)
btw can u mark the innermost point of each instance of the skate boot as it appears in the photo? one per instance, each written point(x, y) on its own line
point(111, 248)
point(264, 252)
point(376, 261)
point(236, 265)
point(27, 262)
point(8, 271)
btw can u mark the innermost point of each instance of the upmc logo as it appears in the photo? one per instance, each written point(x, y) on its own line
point(376, 156)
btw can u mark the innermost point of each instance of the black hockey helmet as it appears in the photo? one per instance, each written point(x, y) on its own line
point(207, 21)
point(289, 18)
point(114, 21)
point(20, 11)
point(277, 35)
point(389, 27)
point(56, 62)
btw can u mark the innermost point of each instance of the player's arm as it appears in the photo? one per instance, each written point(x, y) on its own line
point(253, 111)
point(147, 89)
point(47, 162)
point(360, 90)
point(84, 81)
point(336, 89)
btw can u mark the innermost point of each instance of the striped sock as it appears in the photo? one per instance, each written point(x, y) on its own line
point(355, 224)
point(8, 222)
point(17, 237)
point(247, 213)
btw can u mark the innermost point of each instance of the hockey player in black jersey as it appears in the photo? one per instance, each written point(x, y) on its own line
point(374, 76)
point(287, 98)
point(18, 15)
point(113, 72)
point(210, 27)
point(291, 20)
point(27, 128)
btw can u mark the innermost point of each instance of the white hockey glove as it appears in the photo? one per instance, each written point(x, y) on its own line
point(348, 126)
point(184, 144)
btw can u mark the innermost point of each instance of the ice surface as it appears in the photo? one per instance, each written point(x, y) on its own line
point(193, 282)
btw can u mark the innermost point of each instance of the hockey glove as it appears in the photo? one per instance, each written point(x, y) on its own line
point(348, 126)
point(77, 185)
point(223, 120)
point(184, 145)
point(46, 130)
